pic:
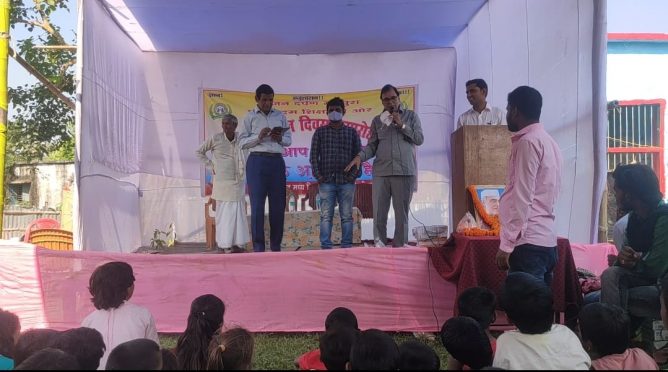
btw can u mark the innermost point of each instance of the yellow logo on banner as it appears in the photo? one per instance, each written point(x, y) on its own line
point(218, 110)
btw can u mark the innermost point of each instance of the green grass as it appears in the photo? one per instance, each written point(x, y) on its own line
point(279, 350)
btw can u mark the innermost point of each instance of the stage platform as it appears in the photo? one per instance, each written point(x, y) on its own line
point(393, 289)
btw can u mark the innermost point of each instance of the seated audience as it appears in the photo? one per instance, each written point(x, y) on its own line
point(416, 356)
point(206, 317)
point(335, 346)
point(85, 344)
point(49, 359)
point(138, 354)
point(340, 316)
point(374, 350)
point(231, 350)
point(606, 334)
point(644, 258)
point(10, 329)
point(116, 318)
point(32, 341)
point(169, 362)
point(466, 341)
point(478, 303)
point(537, 343)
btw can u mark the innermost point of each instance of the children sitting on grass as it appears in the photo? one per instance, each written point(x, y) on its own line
point(335, 346)
point(49, 359)
point(605, 331)
point(85, 344)
point(416, 356)
point(206, 317)
point(374, 350)
point(339, 317)
point(32, 341)
point(231, 350)
point(116, 318)
point(138, 354)
point(10, 329)
point(478, 303)
point(538, 343)
point(467, 343)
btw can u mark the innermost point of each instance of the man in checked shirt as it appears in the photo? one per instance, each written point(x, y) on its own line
point(332, 148)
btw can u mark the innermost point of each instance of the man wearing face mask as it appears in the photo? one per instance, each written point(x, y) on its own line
point(526, 210)
point(332, 148)
point(395, 133)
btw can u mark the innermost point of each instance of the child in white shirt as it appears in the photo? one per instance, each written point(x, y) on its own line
point(538, 343)
point(117, 319)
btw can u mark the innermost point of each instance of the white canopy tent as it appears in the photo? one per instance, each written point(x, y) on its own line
point(143, 63)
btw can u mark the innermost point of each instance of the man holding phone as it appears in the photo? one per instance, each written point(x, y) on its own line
point(332, 148)
point(265, 134)
point(395, 133)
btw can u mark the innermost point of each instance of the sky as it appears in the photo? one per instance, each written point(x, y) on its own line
point(67, 20)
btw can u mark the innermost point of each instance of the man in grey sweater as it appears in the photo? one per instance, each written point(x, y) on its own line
point(394, 135)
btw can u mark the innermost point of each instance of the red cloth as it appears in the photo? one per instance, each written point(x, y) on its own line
point(311, 361)
point(470, 261)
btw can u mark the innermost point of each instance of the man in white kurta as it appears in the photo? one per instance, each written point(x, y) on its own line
point(229, 186)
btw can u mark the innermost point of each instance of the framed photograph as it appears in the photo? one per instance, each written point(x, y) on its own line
point(487, 202)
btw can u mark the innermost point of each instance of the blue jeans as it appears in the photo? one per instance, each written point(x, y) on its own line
point(330, 193)
point(535, 260)
point(617, 283)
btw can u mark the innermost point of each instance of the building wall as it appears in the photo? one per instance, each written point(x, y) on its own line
point(637, 69)
point(638, 76)
point(48, 182)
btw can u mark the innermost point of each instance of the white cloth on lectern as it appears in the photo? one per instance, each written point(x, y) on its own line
point(231, 224)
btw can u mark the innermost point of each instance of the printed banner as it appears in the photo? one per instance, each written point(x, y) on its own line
point(305, 113)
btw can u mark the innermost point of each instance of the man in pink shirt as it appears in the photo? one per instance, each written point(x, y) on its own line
point(526, 211)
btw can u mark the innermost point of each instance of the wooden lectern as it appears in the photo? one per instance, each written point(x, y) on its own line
point(480, 156)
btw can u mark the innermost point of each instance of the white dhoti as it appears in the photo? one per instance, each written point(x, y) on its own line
point(231, 224)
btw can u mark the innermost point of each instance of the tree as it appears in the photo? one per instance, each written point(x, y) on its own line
point(41, 123)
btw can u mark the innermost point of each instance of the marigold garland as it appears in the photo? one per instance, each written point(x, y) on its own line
point(492, 221)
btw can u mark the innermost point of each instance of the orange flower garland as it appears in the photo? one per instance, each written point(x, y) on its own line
point(491, 221)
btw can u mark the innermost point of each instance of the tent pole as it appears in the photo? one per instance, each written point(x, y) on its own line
point(4, 58)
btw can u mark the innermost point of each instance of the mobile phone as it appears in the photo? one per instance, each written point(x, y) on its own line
point(278, 130)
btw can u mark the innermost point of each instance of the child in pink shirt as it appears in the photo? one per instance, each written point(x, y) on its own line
point(605, 335)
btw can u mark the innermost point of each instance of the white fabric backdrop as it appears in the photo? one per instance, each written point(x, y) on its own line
point(153, 98)
point(114, 108)
point(547, 45)
point(169, 144)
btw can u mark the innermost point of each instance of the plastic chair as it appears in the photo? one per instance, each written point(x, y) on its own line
point(40, 223)
point(56, 239)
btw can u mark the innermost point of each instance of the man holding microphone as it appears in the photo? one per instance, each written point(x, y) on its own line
point(394, 135)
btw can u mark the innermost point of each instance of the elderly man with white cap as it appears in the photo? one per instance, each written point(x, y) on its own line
point(490, 199)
